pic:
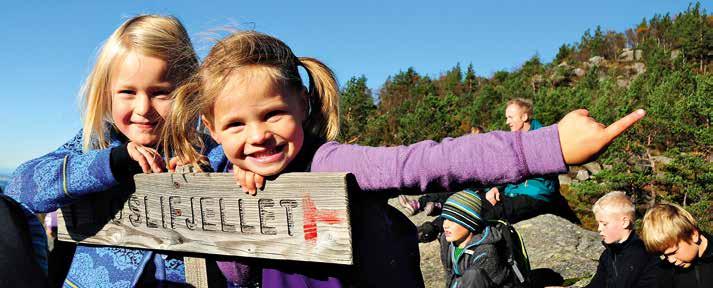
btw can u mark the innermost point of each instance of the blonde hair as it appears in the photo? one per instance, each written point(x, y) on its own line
point(157, 36)
point(665, 225)
point(524, 104)
point(615, 202)
point(249, 49)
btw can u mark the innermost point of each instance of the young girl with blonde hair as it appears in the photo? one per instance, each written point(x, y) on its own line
point(125, 100)
point(249, 94)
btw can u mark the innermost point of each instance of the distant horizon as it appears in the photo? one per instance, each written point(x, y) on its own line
point(6, 171)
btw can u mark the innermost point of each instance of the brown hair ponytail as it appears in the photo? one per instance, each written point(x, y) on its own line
point(323, 94)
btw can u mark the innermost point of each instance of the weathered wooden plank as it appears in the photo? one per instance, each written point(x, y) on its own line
point(298, 216)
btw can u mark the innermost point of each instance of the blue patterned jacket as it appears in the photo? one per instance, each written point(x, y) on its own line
point(67, 175)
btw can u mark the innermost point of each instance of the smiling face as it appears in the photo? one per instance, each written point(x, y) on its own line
point(140, 97)
point(516, 118)
point(613, 227)
point(258, 121)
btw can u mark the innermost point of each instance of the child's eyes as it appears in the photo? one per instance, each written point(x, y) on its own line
point(275, 116)
point(162, 94)
point(236, 124)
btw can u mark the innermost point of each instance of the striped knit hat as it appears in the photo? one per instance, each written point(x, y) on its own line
point(464, 208)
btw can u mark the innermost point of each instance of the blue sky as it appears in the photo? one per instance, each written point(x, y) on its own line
point(48, 48)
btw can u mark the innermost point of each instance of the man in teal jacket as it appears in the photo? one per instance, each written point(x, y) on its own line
point(531, 197)
point(539, 187)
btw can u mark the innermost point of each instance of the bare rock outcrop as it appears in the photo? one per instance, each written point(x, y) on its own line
point(555, 243)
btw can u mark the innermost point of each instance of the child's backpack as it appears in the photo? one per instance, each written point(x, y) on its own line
point(513, 252)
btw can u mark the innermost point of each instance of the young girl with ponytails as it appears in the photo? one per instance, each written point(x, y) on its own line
point(125, 100)
point(249, 94)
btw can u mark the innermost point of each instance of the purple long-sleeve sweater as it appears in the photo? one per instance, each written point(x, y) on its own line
point(429, 166)
point(386, 246)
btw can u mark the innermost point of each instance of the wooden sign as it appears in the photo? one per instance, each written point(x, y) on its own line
point(298, 216)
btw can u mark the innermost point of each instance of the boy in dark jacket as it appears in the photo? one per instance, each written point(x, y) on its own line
point(469, 247)
point(624, 262)
point(671, 231)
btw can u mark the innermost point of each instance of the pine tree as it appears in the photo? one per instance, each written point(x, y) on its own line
point(470, 80)
point(356, 106)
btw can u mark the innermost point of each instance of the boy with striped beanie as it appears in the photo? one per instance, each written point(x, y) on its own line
point(468, 245)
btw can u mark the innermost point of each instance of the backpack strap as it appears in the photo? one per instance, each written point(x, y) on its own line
point(512, 245)
point(517, 271)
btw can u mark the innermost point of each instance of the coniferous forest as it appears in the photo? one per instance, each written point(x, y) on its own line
point(664, 65)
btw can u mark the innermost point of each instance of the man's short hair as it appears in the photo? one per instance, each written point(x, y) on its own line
point(615, 202)
point(525, 105)
point(665, 225)
point(477, 129)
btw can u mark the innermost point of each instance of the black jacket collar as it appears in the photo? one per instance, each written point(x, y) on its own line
point(616, 248)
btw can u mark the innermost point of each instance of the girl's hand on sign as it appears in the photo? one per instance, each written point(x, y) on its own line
point(173, 163)
point(148, 158)
point(249, 182)
point(582, 138)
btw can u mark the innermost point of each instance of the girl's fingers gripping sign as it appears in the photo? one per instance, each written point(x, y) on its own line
point(149, 159)
point(153, 158)
point(173, 163)
point(582, 138)
point(136, 155)
point(249, 182)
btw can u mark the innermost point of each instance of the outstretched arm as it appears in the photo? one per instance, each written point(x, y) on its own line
point(484, 159)
point(454, 163)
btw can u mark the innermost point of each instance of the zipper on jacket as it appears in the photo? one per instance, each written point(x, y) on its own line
point(616, 272)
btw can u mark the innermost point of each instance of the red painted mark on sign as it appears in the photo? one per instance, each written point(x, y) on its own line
point(312, 215)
